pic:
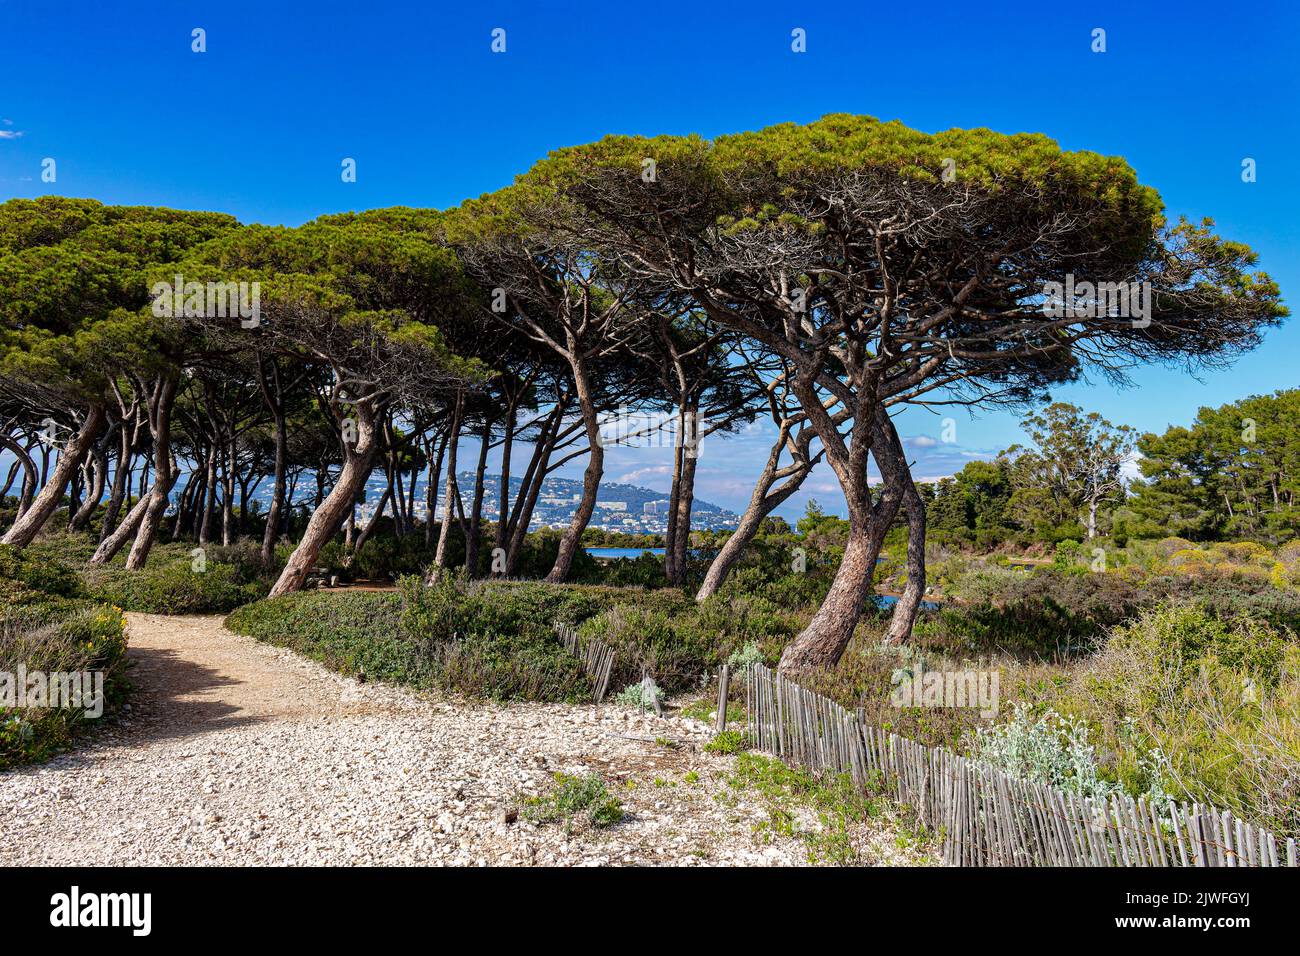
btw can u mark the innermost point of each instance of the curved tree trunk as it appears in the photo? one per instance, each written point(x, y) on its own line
point(731, 550)
point(595, 470)
point(761, 504)
point(109, 547)
point(155, 504)
point(432, 483)
point(93, 493)
point(893, 465)
point(679, 541)
point(524, 507)
point(823, 640)
point(329, 517)
point(272, 397)
point(30, 522)
point(80, 478)
point(373, 523)
point(165, 474)
point(452, 493)
point(184, 504)
point(530, 487)
point(9, 480)
point(29, 472)
point(476, 510)
point(572, 538)
point(674, 493)
point(503, 479)
point(121, 478)
point(909, 605)
point(209, 496)
point(228, 491)
point(274, 513)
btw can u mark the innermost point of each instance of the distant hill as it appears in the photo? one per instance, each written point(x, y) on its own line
point(556, 502)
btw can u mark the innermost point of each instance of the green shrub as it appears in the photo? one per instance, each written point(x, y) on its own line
point(512, 667)
point(1217, 697)
point(353, 632)
point(484, 640)
point(38, 572)
point(726, 742)
point(865, 680)
point(1054, 750)
point(50, 633)
point(1046, 614)
point(678, 642)
point(176, 588)
point(643, 695)
point(646, 571)
point(572, 797)
point(747, 656)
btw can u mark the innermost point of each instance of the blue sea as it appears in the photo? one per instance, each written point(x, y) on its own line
point(611, 553)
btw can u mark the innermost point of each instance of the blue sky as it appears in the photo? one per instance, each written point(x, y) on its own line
point(258, 125)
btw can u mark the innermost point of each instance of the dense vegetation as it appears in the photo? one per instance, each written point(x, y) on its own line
point(820, 276)
point(1229, 476)
point(48, 625)
point(159, 367)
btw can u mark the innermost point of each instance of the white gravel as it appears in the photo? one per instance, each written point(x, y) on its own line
point(239, 753)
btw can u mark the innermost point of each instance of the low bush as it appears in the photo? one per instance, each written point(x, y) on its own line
point(1216, 697)
point(353, 632)
point(868, 675)
point(572, 798)
point(45, 627)
point(678, 641)
point(645, 571)
point(645, 695)
point(726, 742)
point(481, 639)
point(176, 587)
point(1054, 750)
point(39, 572)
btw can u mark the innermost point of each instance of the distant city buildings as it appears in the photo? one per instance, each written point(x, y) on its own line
point(628, 508)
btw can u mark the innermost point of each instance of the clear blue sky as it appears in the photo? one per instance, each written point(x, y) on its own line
point(258, 125)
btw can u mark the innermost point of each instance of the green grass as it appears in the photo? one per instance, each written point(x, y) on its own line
point(834, 801)
point(726, 742)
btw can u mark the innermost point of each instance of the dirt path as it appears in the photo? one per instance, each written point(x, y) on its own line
point(235, 752)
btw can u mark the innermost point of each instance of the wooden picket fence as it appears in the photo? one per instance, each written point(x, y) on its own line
point(985, 817)
point(596, 656)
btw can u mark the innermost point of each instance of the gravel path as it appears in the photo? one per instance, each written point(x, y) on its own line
point(235, 752)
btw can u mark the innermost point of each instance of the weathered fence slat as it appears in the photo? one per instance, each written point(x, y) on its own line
point(985, 817)
point(597, 658)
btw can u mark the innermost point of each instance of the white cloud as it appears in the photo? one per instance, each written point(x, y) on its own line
point(640, 474)
point(10, 133)
point(921, 441)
